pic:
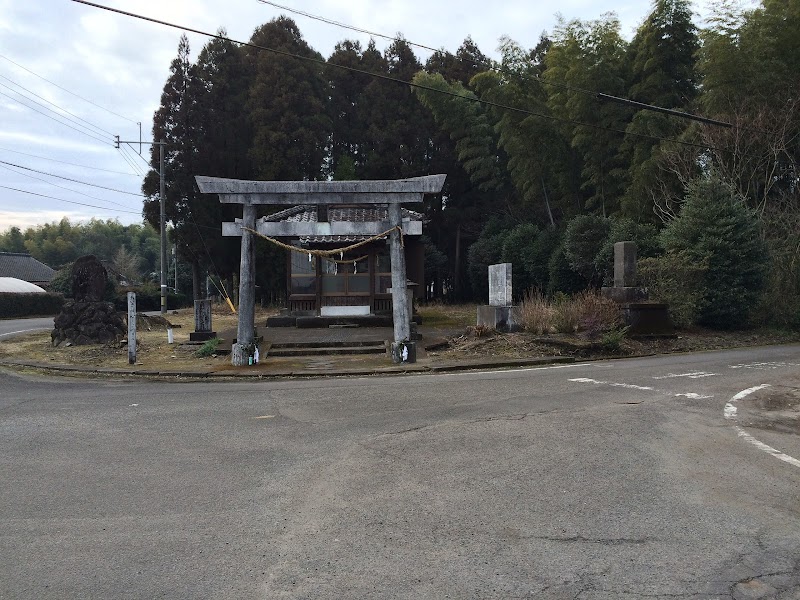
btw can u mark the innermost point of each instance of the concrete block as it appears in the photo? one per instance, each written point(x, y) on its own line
point(500, 285)
point(625, 264)
point(501, 318)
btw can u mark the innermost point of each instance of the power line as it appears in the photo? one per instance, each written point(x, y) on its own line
point(83, 131)
point(345, 25)
point(390, 78)
point(69, 163)
point(62, 187)
point(597, 95)
point(69, 92)
point(23, 88)
point(126, 156)
point(5, 187)
point(102, 187)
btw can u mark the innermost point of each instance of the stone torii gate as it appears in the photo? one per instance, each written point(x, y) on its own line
point(252, 193)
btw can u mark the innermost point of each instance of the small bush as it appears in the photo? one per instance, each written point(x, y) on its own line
point(583, 240)
point(536, 313)
point(208, 349)
point(597, 315)
point(677, 280)
point(611, 340)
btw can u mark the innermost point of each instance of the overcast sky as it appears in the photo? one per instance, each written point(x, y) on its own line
point(100, 73)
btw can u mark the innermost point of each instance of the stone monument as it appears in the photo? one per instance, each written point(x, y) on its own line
point(88, 319)
point(500, 314)
point(642, 317)
point(202, 322)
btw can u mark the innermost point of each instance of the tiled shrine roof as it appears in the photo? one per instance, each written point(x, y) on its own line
point(353, 214)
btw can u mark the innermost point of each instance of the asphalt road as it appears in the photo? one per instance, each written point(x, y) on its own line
point(11, 327)
point(618, 479)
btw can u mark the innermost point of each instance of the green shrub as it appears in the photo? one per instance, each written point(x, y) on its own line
point(29, 305)
point(150, 299)
point(562, 278)
point(484, 252)
point(209, 348)
point(676, 279)
point(716, 226)
point(515, 245)
point(611, 340)
point(583, 239)
point(536, 258)
point(645, 235)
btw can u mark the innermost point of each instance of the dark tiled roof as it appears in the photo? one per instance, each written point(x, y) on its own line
point(24, 266)
point(354, 214)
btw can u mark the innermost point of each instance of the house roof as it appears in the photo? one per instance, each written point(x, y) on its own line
point(353, 214)
point(22, 265)
point(12, 285)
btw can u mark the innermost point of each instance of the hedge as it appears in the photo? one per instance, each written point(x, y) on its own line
point(151, 301)
point(30, 305)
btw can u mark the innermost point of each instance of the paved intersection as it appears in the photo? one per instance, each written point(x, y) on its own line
point(594, 480)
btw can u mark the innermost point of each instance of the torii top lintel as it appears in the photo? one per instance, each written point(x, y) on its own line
point(385, 191)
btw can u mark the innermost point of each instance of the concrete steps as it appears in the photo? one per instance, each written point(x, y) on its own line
point(353, 347)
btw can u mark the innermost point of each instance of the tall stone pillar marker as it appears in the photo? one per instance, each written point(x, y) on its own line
point(500, 313)
point(202, 322)
point(403, 350)
point(245, 333)
point(131, 328)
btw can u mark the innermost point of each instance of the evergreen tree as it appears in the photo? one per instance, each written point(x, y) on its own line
point(663, 73)
point(286, 105)
point(589, 56)
point(716, 226)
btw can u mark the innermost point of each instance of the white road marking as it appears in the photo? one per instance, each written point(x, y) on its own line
point(730, 414)
point(133, 405)
point(630, 386)
point(23, 331)
point(763, 366)
point(692, 375)
point(612, 383)
point(768, 449)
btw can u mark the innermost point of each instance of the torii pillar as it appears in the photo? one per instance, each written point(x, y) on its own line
point(391, 192)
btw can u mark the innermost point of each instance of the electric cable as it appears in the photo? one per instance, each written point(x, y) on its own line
point(84, 132)
point(26, 90)
point(5, 187)
point(62, 187)
point(69, 163)
point(102, 187)
point(494, 67)
point(69, 92)
point(390, 78)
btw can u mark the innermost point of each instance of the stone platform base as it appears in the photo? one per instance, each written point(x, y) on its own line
point(202, 336)
point(404, 352)
point(623, 295)
point(647, 319)
point(501, 318)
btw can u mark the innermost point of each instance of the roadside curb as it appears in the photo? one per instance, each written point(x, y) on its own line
point(259, 373)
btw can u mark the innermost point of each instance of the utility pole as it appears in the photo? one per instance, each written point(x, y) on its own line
point(162, 219)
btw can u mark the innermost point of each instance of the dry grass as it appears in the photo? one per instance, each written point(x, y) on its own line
point(153, 349)
point(586, 312)
point(537, 313)
point(437, 314)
